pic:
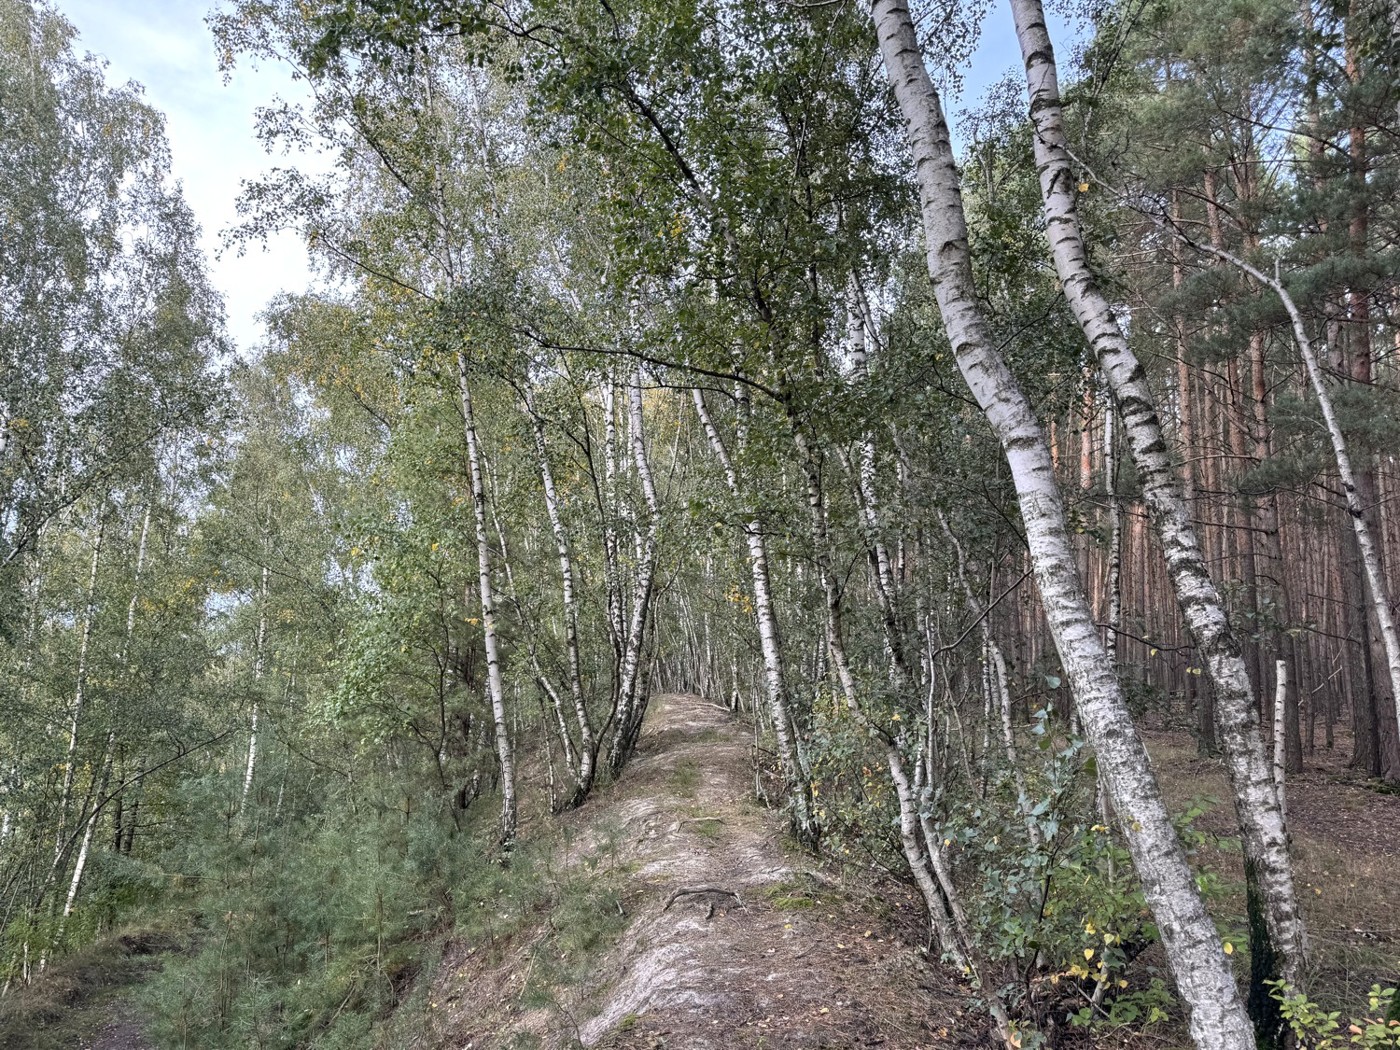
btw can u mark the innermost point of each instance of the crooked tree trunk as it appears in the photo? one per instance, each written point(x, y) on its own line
point(794, 772)
point(1203, 609)
point(588, 746)
point(1217, 1017)
point(868, 501)
point(914, 842)
point(1376, 586)
point(495, 688)
point(631, 707)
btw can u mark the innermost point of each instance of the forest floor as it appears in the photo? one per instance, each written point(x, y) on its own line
point(81, 1003)
point(673, 912)
point(731, 937)
point(1345, 834)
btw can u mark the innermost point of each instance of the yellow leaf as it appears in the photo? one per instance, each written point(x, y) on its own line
point(1088, 953)
point(1083, 187)
point(1229, 948)
point(1088, 927)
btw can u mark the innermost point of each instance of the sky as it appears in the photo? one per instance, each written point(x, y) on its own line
point(165, 46)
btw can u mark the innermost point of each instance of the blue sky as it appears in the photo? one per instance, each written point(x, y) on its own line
point(165, 45)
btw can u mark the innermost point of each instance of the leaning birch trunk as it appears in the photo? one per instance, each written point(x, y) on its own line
point(80, 864)
point(495, 687)
point(870, 515)
point(920, 867)
point(1269, 870)
point(123, 661)
point(920, 841)
point(1376, 587)
point(799, 783)
point(612, 570)
point(1216, 1015)
point(631, 709)
point(588, 747)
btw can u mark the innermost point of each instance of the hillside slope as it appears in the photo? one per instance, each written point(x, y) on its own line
point(731, 938)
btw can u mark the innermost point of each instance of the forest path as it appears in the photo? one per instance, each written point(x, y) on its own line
point(734, 938)
point(84, 1001)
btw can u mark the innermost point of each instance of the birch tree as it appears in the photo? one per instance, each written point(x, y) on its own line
point(1256, 802)
point(1216, 1013)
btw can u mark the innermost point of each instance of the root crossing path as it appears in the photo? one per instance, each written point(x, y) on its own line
point(734, 938)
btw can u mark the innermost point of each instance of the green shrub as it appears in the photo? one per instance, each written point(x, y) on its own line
point(1317, 1029)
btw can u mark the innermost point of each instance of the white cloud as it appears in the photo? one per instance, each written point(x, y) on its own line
point(166, 46)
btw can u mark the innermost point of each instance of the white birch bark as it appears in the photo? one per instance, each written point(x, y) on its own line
point(794, 771)
point(80, 864)
point(612, 574)
point(911, 841)
point(79, 694)
point(1216, 1014)
point(90, 825)
point(588, 748)
point(1203, 609)
point(868, 501)
point(495, 687)
point(1376, 586)
point(259, 666)
point(1115, 535)
point(631, 708)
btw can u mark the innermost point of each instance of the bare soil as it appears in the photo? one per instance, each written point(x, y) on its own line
point(733, 938)
point(1345, 837)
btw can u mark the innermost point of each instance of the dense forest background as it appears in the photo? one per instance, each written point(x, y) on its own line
point(626, 375)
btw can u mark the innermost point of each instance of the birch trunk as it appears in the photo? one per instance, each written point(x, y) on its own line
point(1236, 715)
point(794, 771)
point(1217, 1018)
point(259, 665)
point(870, 517)
point(1376, 586)
point(612, 573)
point(495, 688)
point(1280, 758)
point(912, 842)
point(79, 694)
point(588, 747)
point(631, 709)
